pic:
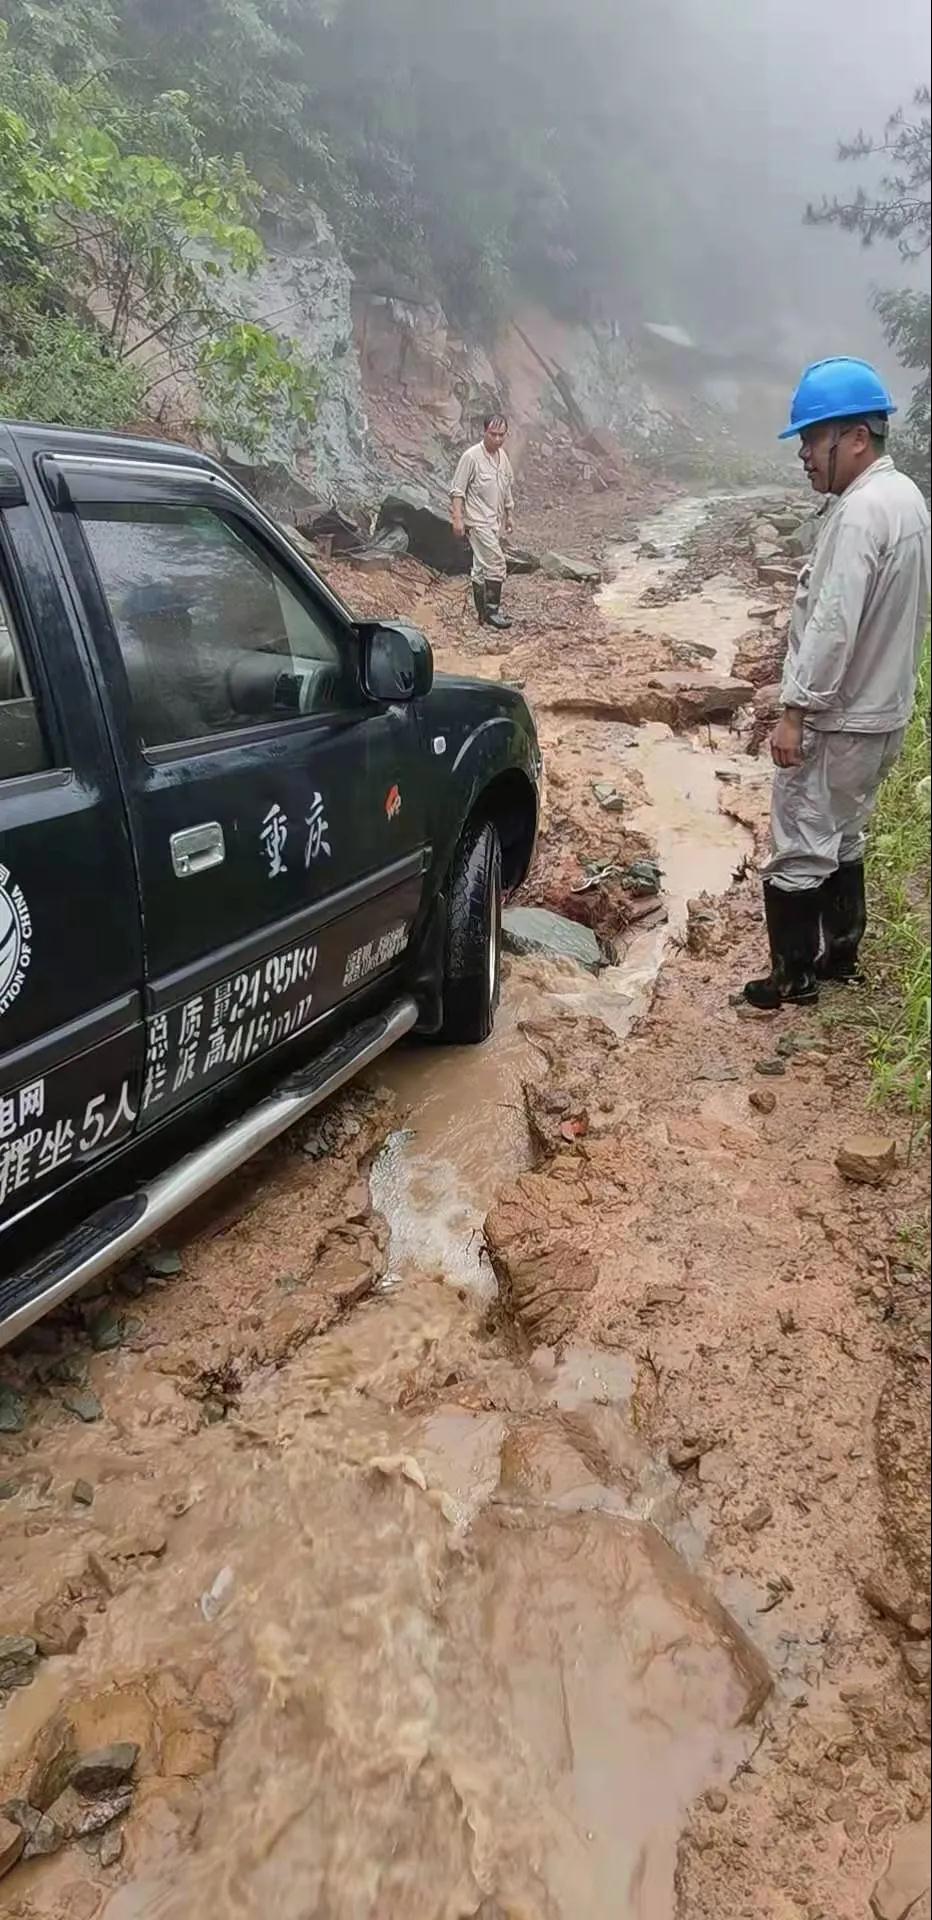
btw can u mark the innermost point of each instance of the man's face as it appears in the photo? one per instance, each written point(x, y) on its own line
point(816, 447)
point(494, 435)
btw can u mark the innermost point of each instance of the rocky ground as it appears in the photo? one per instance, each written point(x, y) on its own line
point(333, 1587)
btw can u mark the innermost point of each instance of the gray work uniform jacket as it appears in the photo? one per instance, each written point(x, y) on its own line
point(861, 608)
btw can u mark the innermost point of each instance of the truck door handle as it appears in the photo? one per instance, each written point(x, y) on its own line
point(196, 849)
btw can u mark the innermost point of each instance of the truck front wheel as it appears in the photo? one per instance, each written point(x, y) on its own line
point(472, 964)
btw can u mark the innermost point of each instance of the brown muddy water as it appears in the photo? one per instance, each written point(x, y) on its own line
point(418, 1632)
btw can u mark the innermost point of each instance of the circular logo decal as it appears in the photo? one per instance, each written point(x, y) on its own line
point(15, 939)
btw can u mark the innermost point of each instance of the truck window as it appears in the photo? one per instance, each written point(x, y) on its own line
point(212, 635)
point(22, 746)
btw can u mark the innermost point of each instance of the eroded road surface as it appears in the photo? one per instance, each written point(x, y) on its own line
point(473, 1514)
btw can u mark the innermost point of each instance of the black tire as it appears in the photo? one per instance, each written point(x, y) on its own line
point(472, 965)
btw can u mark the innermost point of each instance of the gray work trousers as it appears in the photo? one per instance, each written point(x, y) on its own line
point(488, 558)
point(820, 810)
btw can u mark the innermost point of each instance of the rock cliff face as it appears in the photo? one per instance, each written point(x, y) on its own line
point(401, 391)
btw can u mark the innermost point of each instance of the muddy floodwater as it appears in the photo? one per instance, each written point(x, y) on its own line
point(420, 1610)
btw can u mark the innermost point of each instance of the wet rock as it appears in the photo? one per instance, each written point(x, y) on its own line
point(343, 534)
point(83, 1404)
point(762, 1100)
point(906, 1879)
point(608, 796)
point(12, 1842)
point(787, 522)
point(104, 1769)
point(867, 1158)
point(58, 1627)
point(643, 878)
point(111, 1846)
point(772, 1069)
point(562, 566)
point(536, 930)
point(378, 555)
point(760, 1516)
point(106, 1330)
point(12, 1410)
point(82, 1493)
point(704, 696)
point(163, 1263)
point(19, 1657)
point(8, 1489)
point(73, 1816)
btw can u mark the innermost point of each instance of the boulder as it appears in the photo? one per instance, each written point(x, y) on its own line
point(537, 930)
point(426, 522)
point(704, 696)
point(562, 566)
point(867, 1158)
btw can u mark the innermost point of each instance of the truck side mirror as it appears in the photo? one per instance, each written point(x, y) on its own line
point(397, 663)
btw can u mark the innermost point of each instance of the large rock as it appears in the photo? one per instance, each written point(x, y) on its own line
point(537, 930)
point(562, 566)
point(426, 522)
point(704, 696)
point(867, 1158)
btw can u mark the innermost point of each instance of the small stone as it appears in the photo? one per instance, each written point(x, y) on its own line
point(664, 1295)
point(82, 1493)
point(12, 1842)
point(111, 1846)
point(65, 1370)
point(163, 1263)
point(829, 1774)
point(189, 1752)
point(868, 1158)
point(755, 1016)
point(12, 1410)
point(83, 1404)
point(685, 1453)
point(19, 1657)
point(770, 1068)
point(73, 1816)
point(106, 1331)
point(907, 1877)
point(104, 1769)
point(8, 1489)
point(762, 1100)
point(132, 1283)
point(716, 1800)
point(608, 796)
point(786, 1320)
point(759, 1516)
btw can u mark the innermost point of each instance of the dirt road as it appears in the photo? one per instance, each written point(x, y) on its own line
point(507, 1499)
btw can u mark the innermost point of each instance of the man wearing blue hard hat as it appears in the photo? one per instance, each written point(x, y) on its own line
point(849, 680)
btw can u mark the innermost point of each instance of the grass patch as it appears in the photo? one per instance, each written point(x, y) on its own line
point(895, 1007)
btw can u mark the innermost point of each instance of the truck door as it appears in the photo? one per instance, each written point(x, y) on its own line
point(277, 813)
point(71, 1032)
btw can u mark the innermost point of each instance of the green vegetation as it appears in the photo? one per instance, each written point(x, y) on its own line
point(897, 1006)
point(899, 210)
point(118, 228)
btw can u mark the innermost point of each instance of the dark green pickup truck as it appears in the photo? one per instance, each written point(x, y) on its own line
point(246, 844)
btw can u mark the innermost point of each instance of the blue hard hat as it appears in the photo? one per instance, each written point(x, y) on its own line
point(837, 390)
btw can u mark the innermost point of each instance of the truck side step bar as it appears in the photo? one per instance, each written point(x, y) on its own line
point(119, 1228)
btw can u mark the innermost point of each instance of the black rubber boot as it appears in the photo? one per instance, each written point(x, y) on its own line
point(793, 932)
point(479, 597)
point(844, 917)
point(493, 600)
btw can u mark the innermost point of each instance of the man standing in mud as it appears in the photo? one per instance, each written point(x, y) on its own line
point(482, 505)
point(849, 681)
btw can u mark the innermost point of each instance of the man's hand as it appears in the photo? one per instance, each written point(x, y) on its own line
point(786, 740)
point(458, 524)
point(509, 526)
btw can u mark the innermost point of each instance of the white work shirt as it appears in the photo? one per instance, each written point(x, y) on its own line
point(485, 483)
point(861, 608)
